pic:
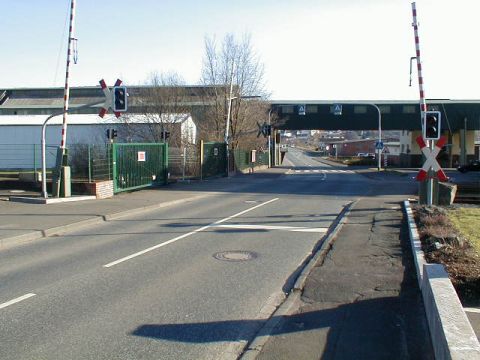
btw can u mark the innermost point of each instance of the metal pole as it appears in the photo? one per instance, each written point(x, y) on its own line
point(379, 151)
point(44, 156)
point(227, 127)
point(423, 104)
point(184, 162)
point(89, 164)
point(269, 140)
point(44, 129)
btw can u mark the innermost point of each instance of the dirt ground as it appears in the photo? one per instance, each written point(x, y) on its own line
point(444, 244)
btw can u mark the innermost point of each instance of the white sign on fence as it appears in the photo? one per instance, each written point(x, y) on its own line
point(141, 156)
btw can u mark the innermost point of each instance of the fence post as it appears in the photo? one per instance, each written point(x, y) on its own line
point(165, 162)
point(89, 165)
point(35, 162)
point(114, 167)
point(201, 160)
point(184, 162)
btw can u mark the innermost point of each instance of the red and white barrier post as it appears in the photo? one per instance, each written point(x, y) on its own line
point(423, 104)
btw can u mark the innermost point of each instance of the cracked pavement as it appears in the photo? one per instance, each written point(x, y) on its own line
point(363, 300)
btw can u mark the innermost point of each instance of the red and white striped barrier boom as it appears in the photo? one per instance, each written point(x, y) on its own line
point(423, 104)
point(66, 94)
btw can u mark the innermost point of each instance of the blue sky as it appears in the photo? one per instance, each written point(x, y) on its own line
point(323, 49)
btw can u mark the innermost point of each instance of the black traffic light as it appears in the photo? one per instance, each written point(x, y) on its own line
point(120, 98)
point(267, 130)
point(165, 135)
point(432, 125)
point(111, 134)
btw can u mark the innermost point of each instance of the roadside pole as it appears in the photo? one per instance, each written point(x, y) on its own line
point(269, 139)
point(423, 104)
point(44, 156)
point(227, 126)
point(379, 150)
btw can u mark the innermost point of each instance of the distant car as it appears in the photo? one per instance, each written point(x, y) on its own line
point(472, 166)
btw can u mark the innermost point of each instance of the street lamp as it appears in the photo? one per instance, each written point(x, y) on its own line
point(379, 151)
point(227, 130)
point(43, 141)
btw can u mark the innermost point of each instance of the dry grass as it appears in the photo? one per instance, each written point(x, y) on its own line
point(437, 225)
point(467, 222)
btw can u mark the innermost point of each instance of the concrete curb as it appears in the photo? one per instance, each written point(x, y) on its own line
point(451, 333)
point(317, 255)
point(58, 230)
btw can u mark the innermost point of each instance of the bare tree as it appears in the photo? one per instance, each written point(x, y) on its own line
point(163, 108)
point(237, 76)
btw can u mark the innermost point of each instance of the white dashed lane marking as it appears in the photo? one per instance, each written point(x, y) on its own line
point(324, 171)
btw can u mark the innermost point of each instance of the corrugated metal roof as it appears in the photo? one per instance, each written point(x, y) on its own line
point(89, 119)
point(13, 103)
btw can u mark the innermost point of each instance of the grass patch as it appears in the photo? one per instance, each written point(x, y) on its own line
point(467, 222)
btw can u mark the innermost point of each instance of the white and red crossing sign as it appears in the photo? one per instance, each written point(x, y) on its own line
point(431, 162)
point(108, 98)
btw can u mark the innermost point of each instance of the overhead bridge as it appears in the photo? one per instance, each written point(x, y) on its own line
point(363, 115)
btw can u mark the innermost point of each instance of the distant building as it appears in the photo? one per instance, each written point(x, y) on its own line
point(24, 111)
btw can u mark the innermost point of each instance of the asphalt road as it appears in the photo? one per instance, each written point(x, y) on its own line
point(192, 281)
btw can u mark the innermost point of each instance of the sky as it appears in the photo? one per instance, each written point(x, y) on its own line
point(311, 49)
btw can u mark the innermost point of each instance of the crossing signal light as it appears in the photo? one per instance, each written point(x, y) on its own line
point(165, 135)
point(111, 134)
point(432, 125)
point(120, 98)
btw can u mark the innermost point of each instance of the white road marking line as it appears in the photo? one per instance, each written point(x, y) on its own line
point(272, 227)
point(116, 262)
point(17, 300)
point(325, 171)
point(471, 310)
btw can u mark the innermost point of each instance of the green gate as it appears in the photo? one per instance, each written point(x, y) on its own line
point(214, 159)
point(139, 165)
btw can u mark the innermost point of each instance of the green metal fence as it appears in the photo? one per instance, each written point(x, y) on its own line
point(243, 159)
point(214, 161)
point(139, 165)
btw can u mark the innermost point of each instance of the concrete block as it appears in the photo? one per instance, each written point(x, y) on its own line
point(446, 193)
point(452, 334)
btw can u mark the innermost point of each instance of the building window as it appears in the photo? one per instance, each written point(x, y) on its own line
point(287, 109)
point(409, 109)
point(384, 109)
point(312, 109)
point(360, 109)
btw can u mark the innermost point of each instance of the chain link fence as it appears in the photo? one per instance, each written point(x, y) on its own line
point(184, 163)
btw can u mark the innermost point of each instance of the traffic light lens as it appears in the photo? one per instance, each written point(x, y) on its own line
point(120, 99)
point(432, 126)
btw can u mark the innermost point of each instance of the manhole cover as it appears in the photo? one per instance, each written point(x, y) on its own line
point(235, 255)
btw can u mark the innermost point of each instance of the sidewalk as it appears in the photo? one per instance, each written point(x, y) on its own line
point(363, 300)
